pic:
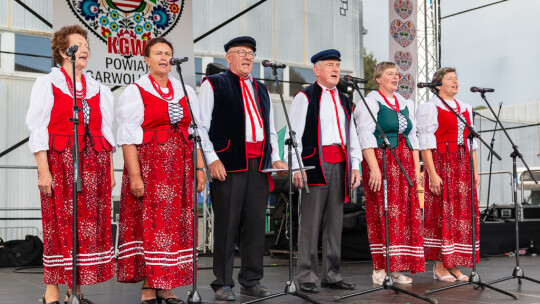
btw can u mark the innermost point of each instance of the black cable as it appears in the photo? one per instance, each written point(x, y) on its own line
point(34, 13)
point(15, 146)
point(21, 270)
point(472, 9)
point(510, 128)
point(26, 54)
point(227, 21)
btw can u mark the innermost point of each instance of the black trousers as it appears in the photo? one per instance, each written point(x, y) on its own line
point(239, 205)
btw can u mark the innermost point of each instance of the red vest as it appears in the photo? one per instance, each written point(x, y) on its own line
point(157, 124)
point(61, 129)
point(447, 132)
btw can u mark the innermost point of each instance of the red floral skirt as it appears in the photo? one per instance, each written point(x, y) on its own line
point(447, 218)
point(155, 239)
point(95, 259)
point(404, 217)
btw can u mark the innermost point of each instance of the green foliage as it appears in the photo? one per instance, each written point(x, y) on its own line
point(479, 108)
point(369, 68)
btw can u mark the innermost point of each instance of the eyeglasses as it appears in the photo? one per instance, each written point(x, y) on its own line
point(243, 53)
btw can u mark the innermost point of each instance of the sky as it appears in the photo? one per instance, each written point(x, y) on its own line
point(494, 47)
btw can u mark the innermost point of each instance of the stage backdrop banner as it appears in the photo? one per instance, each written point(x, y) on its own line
point(119, 29)
point(403, 46)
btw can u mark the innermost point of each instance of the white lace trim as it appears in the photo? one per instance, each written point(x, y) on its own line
point(58, 80)
point(39, 140)
point(129, 134)
point(145, 83)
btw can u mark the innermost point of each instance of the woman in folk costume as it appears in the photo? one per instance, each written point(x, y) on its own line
point(395, 114)
point(51, 140)
point(156, 220)
point(447, 201)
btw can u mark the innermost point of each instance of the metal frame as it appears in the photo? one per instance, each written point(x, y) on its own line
point(428, 44)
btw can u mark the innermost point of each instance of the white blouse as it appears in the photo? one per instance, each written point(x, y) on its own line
point(366, 126)
point(428, 123)
point(130, 110)
point(42, 101)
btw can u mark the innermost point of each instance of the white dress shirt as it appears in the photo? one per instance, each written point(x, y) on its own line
point(206, 101)
point(328, 124)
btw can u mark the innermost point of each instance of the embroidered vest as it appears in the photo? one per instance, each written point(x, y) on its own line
point(157, 123)
point(388, 120)
point(61, 129)
point(447, 132)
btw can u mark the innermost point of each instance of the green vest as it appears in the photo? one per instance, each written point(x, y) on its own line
point(388, 120)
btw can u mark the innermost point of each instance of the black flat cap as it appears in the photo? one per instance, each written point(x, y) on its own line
point(325, 55)
point(242, 40)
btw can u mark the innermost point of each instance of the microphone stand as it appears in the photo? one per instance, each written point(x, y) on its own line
point(77, 188)
point(194, 295)
point(490, 158)
point(518, 271)
point(388, 283)
point(290, 288)
point(474, 277)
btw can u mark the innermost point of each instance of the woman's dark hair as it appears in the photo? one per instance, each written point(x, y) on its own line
point(60, 40)
point(154, 41)
point(439, 74)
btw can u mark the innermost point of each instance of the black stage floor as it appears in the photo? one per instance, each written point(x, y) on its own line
point(27, 288)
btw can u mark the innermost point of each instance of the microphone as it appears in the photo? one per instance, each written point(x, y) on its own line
point(72, 50)
point(421, 85)
point(177, 61)
point(350, 78)
point(481, 90)
point(272, 64)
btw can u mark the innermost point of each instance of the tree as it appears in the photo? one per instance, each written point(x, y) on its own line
point(369, 68)
point(479, 108)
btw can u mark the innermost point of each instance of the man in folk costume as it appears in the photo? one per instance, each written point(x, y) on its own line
point(237, 117)
point(321, 116)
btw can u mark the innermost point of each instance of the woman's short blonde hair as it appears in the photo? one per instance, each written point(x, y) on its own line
point(381, 67)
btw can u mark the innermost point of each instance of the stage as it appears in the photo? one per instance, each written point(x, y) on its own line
point(27, 288)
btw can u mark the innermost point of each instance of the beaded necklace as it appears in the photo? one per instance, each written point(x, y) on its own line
point(166, 96)
point(80, 94)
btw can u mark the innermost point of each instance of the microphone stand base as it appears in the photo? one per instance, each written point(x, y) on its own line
point(194, 297)
point(74, 299)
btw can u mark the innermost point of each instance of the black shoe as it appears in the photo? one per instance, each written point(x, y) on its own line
point(82, 299)
point(339, 285)
point(42, 300)
point(167, 300)
point(149, 301)
point(258, 291)
point(225, 293)
point(309, 287)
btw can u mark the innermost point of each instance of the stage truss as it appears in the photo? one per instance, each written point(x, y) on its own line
point(428, 44)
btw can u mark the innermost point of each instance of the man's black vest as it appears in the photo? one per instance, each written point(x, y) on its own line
point(311, 141)
point(228, 128)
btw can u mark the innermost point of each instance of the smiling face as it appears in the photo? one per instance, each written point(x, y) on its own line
point(388, 82)
point(239, 65)
point(82, 55)
point(450, 86)
point(327, 72)
point(158, 60)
